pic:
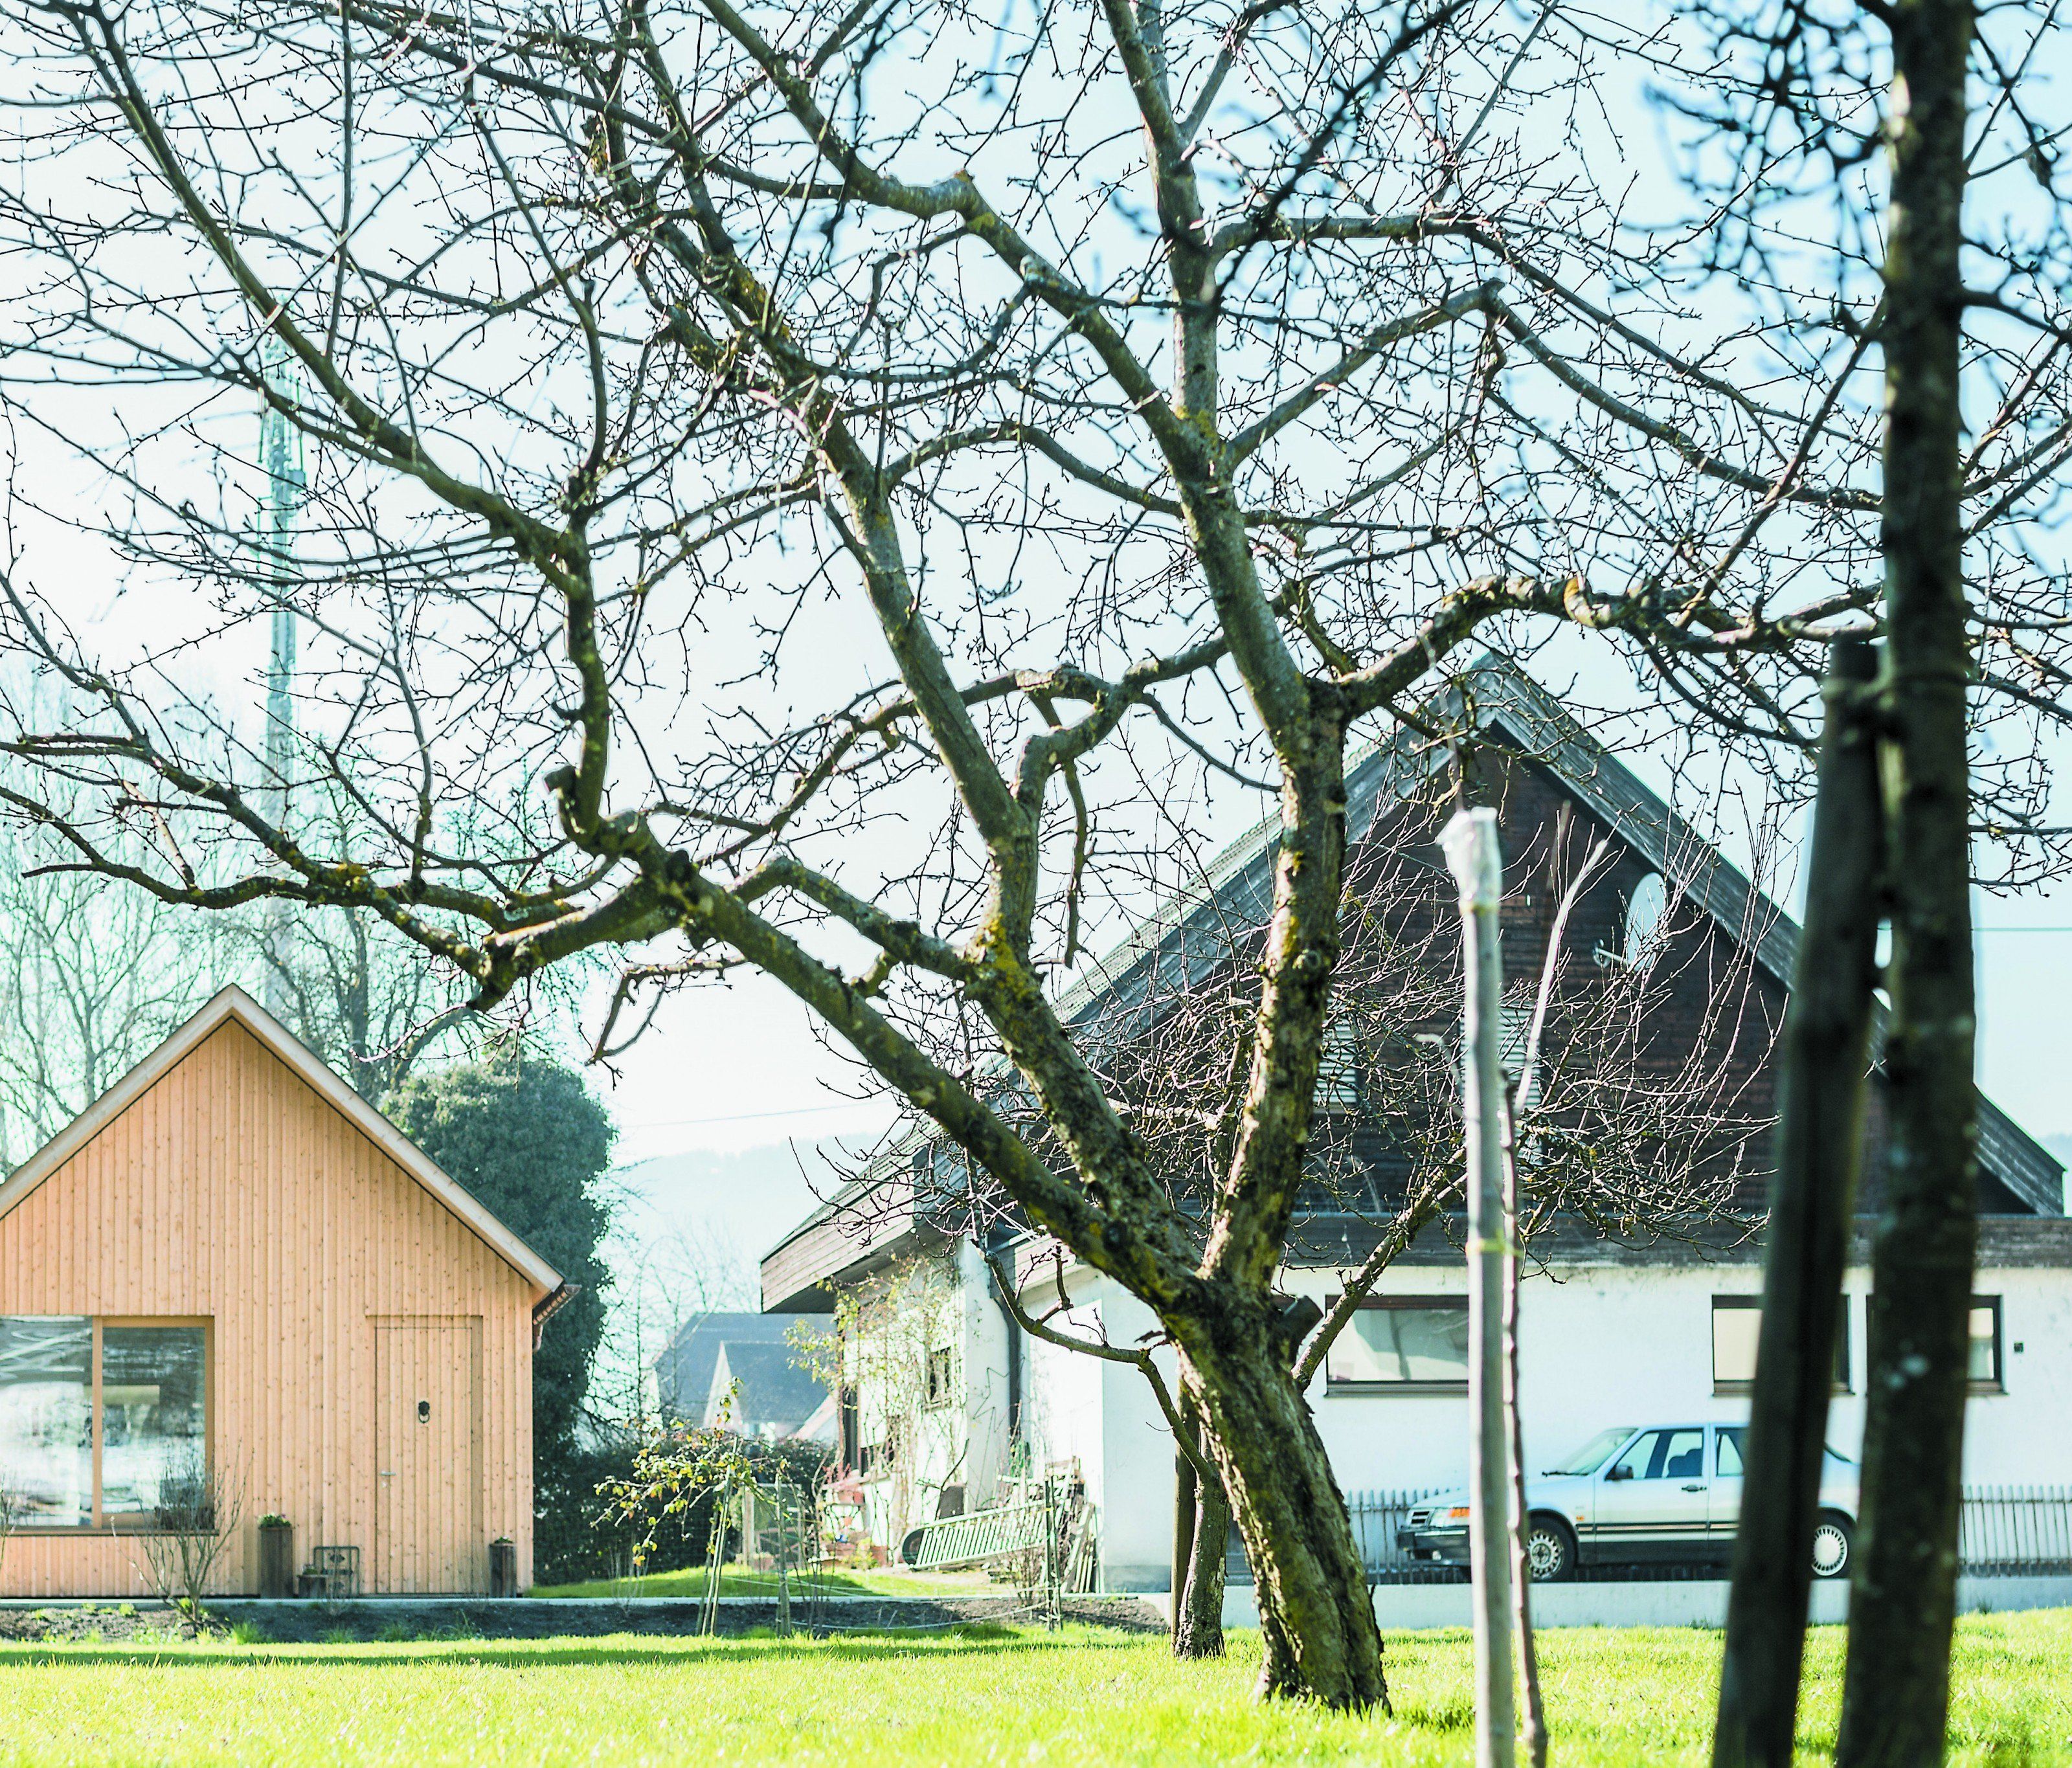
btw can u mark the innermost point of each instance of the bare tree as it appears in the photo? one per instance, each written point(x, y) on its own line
point(659, 359)
point(665, 1278)
point(193, 1528)
point(1969, 317)
point(91, 980)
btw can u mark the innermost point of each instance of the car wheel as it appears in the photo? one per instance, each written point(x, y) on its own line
point(1550, 1550)
point(1833, 1541)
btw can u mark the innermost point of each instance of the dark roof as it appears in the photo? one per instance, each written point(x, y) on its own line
point(2005, 1242)
point(773, 1390)
point(684, 1370)
point(1190, 929)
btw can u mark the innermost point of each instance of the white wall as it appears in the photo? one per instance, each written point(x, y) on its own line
point(1103, 1416)
point(1599, 1345)
point(982, 1373)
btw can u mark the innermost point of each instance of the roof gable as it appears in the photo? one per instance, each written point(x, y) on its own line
point(1497, 698)
point(233, 1005)
point(1494, 697)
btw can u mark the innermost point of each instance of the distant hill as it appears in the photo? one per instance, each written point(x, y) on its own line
point(739, 1203)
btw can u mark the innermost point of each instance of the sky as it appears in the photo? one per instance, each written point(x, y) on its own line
point(711, 1100)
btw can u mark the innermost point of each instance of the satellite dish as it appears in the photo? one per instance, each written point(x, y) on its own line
point(1644, 910)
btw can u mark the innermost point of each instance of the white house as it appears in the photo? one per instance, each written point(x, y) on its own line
point(943, 1393)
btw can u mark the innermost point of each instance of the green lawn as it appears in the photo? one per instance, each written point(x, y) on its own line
point(988, 1696)
point(735, 1581)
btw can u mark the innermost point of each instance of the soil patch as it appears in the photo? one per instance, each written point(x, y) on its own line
point(373, 1620)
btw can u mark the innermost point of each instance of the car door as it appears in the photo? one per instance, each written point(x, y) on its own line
point(1723, 1500)
point(1651, 1497)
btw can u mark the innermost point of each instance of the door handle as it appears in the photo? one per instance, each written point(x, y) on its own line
point(1694, 1488)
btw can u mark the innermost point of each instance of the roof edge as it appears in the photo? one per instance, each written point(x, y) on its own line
point(232, 1003)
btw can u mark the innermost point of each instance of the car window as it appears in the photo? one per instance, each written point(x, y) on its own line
point(1591, 1456)
point(1666, 1454)
point(1683, 1456)
point(1730, 1452)
point(1645, 1447)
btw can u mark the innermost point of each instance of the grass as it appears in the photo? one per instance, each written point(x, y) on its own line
point(985, 1696)
point(735, 1581)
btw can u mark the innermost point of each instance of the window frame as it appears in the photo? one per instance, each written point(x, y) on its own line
point(1396, 1304)
point(1998, 1384)
point(130, 1522)
point(1751, 1302)
point(939, 1380)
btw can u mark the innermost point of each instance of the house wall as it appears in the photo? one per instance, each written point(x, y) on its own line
point(1103, 1416)
point(231, 1191)
point(895, 1319)
point(1599, 1345)
point(982, 1376)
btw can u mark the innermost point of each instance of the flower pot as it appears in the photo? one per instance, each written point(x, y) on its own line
point(503, 1567)
point(276, 1560)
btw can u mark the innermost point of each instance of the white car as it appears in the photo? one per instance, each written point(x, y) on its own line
point(1654, 1493)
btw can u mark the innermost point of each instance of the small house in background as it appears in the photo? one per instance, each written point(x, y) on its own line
point(233, 1270)
point(743, 1370)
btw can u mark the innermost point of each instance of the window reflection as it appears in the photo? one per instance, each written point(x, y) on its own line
point(152, 1383)
point(47, 1421)
point(1421, 1344)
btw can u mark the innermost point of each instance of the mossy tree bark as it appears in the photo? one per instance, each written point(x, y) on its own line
point(1902, 1611)
point(1315, 1616)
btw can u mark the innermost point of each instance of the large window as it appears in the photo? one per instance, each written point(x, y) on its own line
point(101, 1420)
point(1985, 1353)
point(1403, 1344)
point(1737, 1324)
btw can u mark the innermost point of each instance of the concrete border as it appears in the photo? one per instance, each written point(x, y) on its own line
point(1681, 1602)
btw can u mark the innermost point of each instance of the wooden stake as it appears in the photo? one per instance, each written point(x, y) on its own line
point(1472, 852)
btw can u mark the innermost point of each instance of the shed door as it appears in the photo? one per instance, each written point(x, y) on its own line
point(427, 1505)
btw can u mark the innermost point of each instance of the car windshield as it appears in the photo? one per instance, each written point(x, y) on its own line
point(1593, 1454)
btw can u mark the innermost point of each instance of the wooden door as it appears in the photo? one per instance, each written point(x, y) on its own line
point(428, 1447)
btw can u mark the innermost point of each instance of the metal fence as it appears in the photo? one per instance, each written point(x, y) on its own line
point(2016, 1530)
point(2007, 1531)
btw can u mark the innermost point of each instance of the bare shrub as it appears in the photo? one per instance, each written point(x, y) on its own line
point(193, 1526)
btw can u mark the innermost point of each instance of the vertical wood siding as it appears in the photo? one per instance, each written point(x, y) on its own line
point(231, 1191)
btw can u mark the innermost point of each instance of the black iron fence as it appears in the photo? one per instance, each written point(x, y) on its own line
point(2007, 1531)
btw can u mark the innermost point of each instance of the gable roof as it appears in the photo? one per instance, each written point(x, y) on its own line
point(683, 1367)
point(1496, 698)
point(1523, 709)
point(773, 1389)
point(233, 1003)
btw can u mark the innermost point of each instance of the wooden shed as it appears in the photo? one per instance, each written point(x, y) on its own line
point(232, 1262)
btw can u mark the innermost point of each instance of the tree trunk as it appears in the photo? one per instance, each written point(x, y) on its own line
point(1316, 1618)
point(1201, 1541)
point(1895, 1700)
point(1820, 1141)
point(1198, 1626)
